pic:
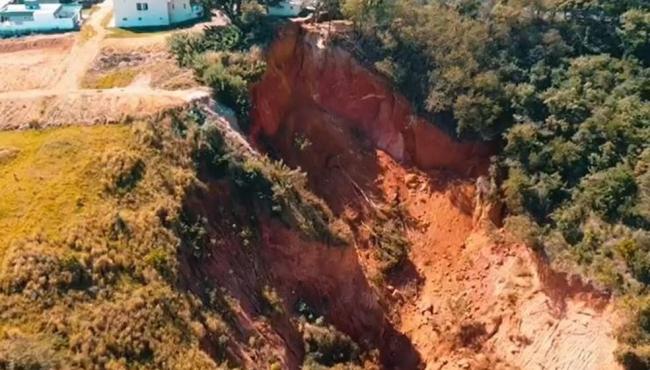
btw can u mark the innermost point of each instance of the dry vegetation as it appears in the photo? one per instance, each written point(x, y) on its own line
point(86, 277)
point(92, 225)
point(48, 178)
point(120, 64)
point(113, 79)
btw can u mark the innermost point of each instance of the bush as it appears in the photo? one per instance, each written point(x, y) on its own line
point(273, 186)
point(34, 269)
point(388, 236)
point(327, 346)
point(123, 170)
point(230, 75)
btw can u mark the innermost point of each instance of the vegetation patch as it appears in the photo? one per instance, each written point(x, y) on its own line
point(51, 179)
point(91, 277)
point(228, 58)
point(88, 276)
point(564, 85)
point(388, 236)
point(277, 189)
point(325, 346)
point(117, 78)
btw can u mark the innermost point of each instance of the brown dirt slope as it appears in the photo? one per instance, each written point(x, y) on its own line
point(467, 296)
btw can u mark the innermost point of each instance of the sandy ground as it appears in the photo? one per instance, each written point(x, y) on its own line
point(42, 79)
point(475, 299)
point(18, 67)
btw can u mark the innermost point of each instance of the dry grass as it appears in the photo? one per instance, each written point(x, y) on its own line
point(87, 32)
point(48, 178)
point(106, 20)
point(117, 78)
point(78, 229)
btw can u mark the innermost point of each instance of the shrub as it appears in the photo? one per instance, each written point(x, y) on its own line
point(277, 188)
point(327, 346)
point(390, 243)
point(387, 234)
point(34, 269)
point(186, 46)
point(123, 170)
point(272, 303)
point(230, 74)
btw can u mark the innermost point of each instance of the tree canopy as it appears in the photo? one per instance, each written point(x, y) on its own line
point(564, 86)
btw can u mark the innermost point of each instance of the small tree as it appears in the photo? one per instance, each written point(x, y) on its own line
point(233, 8)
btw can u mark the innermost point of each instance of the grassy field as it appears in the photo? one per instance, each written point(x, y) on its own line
point(49, 177)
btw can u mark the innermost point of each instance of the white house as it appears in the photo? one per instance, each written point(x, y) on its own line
point(286, 8)
point(153, 13)
point(34, 17)
point(290, 8)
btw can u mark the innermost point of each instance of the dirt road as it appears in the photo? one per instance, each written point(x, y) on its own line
point(53, 94)
point(84, 51)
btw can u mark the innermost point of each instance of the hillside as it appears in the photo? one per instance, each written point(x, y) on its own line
point(415, 185)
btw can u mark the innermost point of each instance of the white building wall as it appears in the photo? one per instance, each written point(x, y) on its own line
point(40, 25)
point(40, 21)
point(286, 8)
point(127, 14)
point(180, 11)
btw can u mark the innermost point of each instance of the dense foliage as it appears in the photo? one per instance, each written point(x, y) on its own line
point(228, 58)
point(564, 85)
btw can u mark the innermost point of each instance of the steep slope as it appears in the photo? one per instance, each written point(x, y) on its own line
point(466, 295)
point(184, 247)
point(302, 73)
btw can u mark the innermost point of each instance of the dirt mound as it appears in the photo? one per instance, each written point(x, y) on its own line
point(36, 42)
point(34, 109)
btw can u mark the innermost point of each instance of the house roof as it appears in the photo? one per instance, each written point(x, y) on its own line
point(22, 9)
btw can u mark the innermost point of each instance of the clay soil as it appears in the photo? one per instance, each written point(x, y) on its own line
point(468, 295)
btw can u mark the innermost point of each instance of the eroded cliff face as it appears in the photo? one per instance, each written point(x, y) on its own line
point(303, 73)
point(468, 296)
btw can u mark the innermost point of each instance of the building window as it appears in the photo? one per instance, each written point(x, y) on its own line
point(142, 6)
point(125, 19)
point(184, 6)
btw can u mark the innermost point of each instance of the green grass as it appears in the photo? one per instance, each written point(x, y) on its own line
point(49, 177)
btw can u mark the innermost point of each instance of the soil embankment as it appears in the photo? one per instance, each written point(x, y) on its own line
point(467, 296)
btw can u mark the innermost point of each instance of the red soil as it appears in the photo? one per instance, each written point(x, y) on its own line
point(300, 71)
point(467, 297)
